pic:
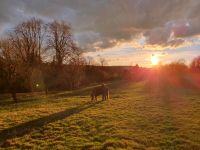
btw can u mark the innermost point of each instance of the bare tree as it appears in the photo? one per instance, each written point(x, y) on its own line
point(90, 61)
point(195, 65)
point(59, 39)
point(102, 61)
point(27, 39)
point(76, 64)
point(11, 66)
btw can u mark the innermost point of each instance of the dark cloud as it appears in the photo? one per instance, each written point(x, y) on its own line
point(101, 24)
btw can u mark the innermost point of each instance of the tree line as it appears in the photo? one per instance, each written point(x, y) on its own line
point(40, 56)
point(35, 55)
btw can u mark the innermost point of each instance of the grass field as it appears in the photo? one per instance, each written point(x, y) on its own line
point(133, 118)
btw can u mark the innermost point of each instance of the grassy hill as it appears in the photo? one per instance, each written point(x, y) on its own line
point(134, 118)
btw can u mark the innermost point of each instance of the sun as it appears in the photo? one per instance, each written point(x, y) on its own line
point(154, 60)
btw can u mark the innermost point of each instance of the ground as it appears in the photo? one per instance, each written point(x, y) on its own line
point(135, 117)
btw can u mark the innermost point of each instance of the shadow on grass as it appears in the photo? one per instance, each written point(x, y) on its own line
point(27, 127)
point(6, 99)
point(9, 102)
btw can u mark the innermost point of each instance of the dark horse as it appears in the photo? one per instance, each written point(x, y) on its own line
point(101, 90)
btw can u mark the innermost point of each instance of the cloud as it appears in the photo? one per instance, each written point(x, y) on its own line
point(169, 35)
point(103, 24)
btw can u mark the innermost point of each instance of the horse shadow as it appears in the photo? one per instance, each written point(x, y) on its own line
point(27, 127)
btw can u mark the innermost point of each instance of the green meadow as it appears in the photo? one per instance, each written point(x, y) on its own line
point(135, 117)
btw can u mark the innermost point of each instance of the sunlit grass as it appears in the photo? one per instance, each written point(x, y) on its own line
point(132, 119)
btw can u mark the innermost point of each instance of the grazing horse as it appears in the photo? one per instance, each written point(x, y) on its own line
point(101, 90)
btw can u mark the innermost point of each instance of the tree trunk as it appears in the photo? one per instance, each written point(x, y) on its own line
point(14, 96)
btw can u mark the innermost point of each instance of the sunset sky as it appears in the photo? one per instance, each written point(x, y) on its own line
point(124, 32)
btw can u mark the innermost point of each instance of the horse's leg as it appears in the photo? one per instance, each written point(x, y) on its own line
point(92, 98)
point(103, 97)
point(107, 96)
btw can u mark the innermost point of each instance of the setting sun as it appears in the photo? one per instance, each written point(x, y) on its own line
point(154, 60)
